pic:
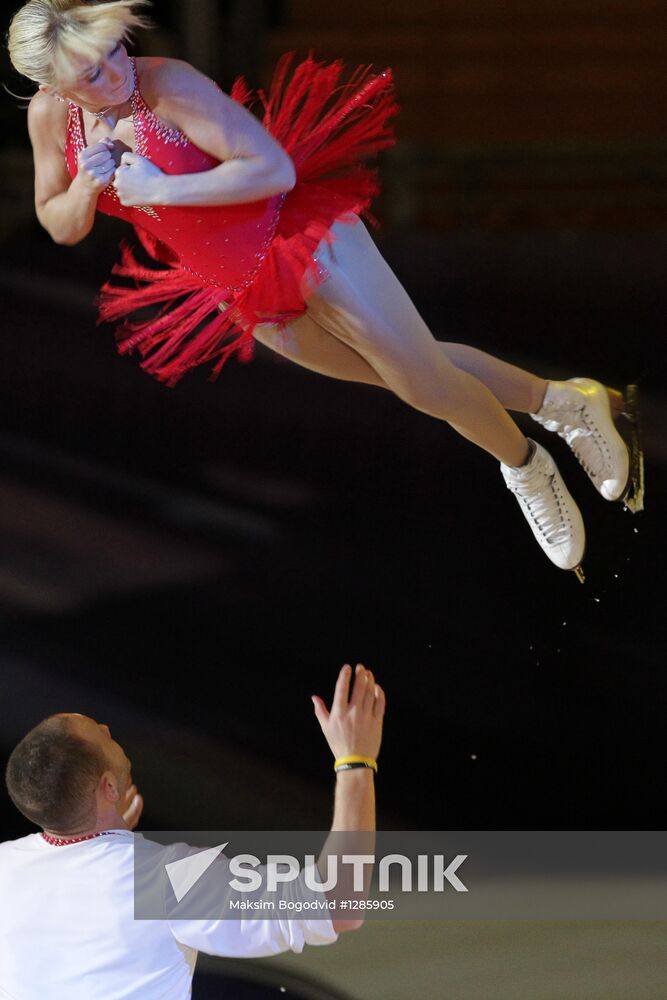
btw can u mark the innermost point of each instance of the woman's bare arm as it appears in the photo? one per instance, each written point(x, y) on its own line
point(65, 207)
point(254, 165)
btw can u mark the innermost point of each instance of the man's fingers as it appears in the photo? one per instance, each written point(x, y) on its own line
point(342, 691)
point(320, 710)
point(360, 686)
point(379, 701)
point(129, 796)
point(369, 693)
point(133, 813)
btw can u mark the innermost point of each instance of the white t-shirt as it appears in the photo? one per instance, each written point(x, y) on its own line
point(67, 928)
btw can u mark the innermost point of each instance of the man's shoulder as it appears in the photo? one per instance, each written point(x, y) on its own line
point(31, 841)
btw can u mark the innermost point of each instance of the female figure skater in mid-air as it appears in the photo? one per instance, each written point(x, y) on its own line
point(258, 233)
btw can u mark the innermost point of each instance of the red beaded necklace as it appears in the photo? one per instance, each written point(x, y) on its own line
point(62, 842)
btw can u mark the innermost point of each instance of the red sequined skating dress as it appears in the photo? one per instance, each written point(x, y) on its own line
point(226, 269)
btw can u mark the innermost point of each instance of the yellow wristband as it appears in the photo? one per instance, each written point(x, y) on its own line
point(353, 759)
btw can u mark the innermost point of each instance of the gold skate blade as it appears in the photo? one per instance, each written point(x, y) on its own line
point(634, 495)
point(579, 573)
point(616, 401)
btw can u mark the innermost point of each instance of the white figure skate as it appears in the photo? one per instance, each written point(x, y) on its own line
point(580, 412)
point(552, 514)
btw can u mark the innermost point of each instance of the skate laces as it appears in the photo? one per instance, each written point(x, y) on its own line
point(576, 425)
point(586, 441)
point(537, 490)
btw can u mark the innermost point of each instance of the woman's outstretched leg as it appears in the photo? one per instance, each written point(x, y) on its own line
point(514, 388)
point(309, 345)
point(363, 305)
point(374, 335)
point(350, 337)
point(312, 347)
point(581, 411)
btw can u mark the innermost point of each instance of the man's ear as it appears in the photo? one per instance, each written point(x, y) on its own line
point(109, 787)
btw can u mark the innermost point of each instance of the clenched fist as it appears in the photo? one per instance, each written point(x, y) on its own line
point(96, 165)
point(137, 181)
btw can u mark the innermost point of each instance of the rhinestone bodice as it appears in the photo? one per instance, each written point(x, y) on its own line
point(222, 244)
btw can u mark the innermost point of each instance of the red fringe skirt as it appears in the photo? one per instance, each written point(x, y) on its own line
point(329, 129)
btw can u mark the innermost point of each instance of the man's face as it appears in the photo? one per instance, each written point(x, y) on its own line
point(100, 735)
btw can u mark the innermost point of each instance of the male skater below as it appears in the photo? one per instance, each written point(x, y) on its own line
point(67, 927)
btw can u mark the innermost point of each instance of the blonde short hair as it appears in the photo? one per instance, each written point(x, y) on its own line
point(46, 36)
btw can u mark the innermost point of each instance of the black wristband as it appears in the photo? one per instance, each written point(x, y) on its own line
point(352, 767)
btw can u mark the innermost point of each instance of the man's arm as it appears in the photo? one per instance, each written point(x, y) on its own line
point(353, 727)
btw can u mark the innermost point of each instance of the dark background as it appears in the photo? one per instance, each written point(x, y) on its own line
point(190, 565)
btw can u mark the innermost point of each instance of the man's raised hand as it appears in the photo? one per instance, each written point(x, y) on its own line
point(353, 726)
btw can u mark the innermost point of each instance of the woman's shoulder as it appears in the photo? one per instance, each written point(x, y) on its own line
point(46, 115)
point(44, 108)
point(164, 79)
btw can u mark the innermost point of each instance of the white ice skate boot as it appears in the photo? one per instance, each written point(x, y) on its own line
point(579, 410)
point(552, 514)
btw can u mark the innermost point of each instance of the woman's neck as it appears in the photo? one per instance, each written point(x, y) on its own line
point(110, 116)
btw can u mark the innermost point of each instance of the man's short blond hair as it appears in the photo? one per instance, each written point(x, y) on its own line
point(47, 36)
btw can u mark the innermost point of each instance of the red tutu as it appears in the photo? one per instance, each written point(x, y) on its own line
point(230, 268)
